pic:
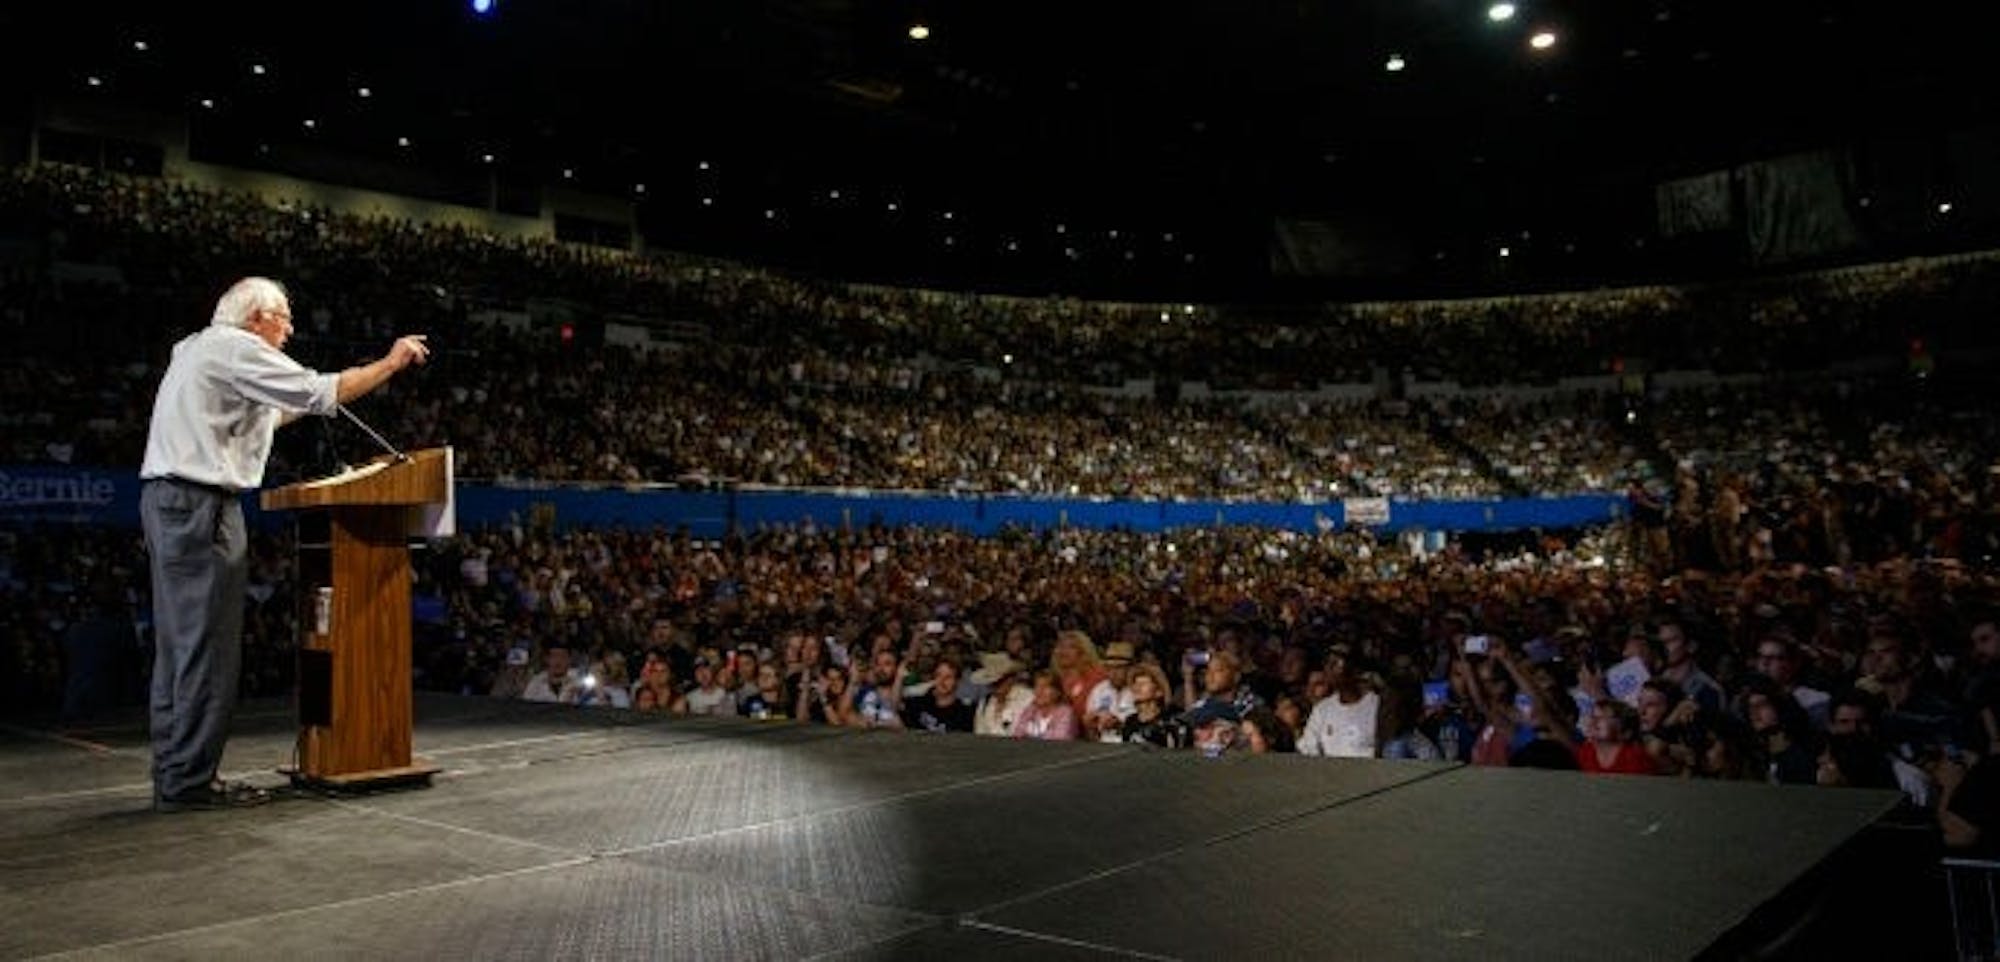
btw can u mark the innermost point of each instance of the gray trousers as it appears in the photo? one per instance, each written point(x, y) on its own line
point(200, 562)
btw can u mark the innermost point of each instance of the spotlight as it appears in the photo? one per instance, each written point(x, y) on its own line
point(482, 7)
point(1500, 12)
point(1543, 40)
point(1396, 63)
point(919, 32)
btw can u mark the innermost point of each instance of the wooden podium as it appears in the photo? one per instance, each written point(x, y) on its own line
point(354, 657)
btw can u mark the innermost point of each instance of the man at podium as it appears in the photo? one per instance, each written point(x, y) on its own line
point(226, 391)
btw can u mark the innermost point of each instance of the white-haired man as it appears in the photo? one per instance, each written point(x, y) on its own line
point(226, 391)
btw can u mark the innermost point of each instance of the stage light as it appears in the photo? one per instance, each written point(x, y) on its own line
point(638, 188)
point(141, 46)
point(1396, 63)
point(207, 103)
point(702, 166)
point(402, 141)
point(1506, 252)
point(833, 195)
point(1500, 12)
point(919, 32)
point(482, 7)
point(1543, 40)
point(1062, 228)
point(947, 215)
point(708, 202)
point(770, 214)
point(311, 123)
point(892, 207)
point(94, 81)
point(569, 173)
point(363, 92)
point(1944, 208)
point(486, 158)
point(258, 69)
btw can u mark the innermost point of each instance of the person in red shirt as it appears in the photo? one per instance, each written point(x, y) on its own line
point(1078, 669)
point(1613, 745)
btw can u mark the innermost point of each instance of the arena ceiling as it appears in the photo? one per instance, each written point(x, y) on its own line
point(1103, 145)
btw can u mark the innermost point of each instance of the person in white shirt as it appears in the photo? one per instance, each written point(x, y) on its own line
point(1110, 702)
point(226, 390)
point(1342, 725)
point(558, 681)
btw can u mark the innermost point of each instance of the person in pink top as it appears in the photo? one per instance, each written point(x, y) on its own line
point(1049, 717)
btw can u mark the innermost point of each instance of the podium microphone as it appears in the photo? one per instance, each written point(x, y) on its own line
point(379, 439)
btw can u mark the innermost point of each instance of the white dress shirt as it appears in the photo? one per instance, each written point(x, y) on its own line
point(224, 395)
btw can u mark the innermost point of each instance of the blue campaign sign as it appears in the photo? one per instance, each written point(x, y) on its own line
point(69, 495)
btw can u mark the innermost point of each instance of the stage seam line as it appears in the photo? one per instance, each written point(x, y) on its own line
point(136, 787)
point(447, 826)
point(1072, 943)
point(970, 917)
point(92, 747)
point(853, 807)
point(304, 909)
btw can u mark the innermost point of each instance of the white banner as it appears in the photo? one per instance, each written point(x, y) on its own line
point(1366, 510)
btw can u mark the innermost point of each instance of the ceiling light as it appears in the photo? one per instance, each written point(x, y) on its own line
point(833, 195)
point(1944, 208)
point(638, 188)
point(207, 103)
point(402, 141)
point(947, 215)
point(257, 68)
point(94, 81)
point(140, 45)
point(1506, 252)
point(770, 214)
point(708, 202)
point(1396, 63)
point(919, 32)
point(1543, 40)
point(363, 92)
point(488, 158)
point(892, 207)
point(569, 173)
point(702, 166)
point(311, 123)
point(1500, 12)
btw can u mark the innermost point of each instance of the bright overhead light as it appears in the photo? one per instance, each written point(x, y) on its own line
point(1543, 40)
point(1500, 12)
point(947, 215)
point(363, 92)
point(708, 202)
point(1396, 63)
point(207, 103)
point(1506, 252)
point(141, 46)
point(488, 158)
point(257, 68)
point(569, 173)
point(833, 195)
point(94, 81)
point(638, 188)
point(702, 166)
point(1944, 208)
point(770, 214)
point(311, 123)
point(919, 32)
point(402, 141)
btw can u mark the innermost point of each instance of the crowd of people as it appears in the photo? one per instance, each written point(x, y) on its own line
point(1804, 593)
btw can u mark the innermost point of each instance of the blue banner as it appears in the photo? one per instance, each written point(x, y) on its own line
point(61, 495)
point(90, 496)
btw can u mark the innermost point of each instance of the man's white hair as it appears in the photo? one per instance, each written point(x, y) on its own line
point(245, 298)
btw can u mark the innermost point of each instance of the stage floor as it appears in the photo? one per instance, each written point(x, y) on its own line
point(559, 833)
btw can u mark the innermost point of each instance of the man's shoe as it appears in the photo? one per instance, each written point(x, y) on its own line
point(217, 795)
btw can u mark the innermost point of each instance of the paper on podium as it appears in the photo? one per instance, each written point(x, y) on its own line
point(351, 474)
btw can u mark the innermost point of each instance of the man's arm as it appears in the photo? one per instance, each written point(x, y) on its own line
point(363, 379)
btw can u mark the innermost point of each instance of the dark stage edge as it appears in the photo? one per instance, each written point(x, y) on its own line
point(559, 833)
